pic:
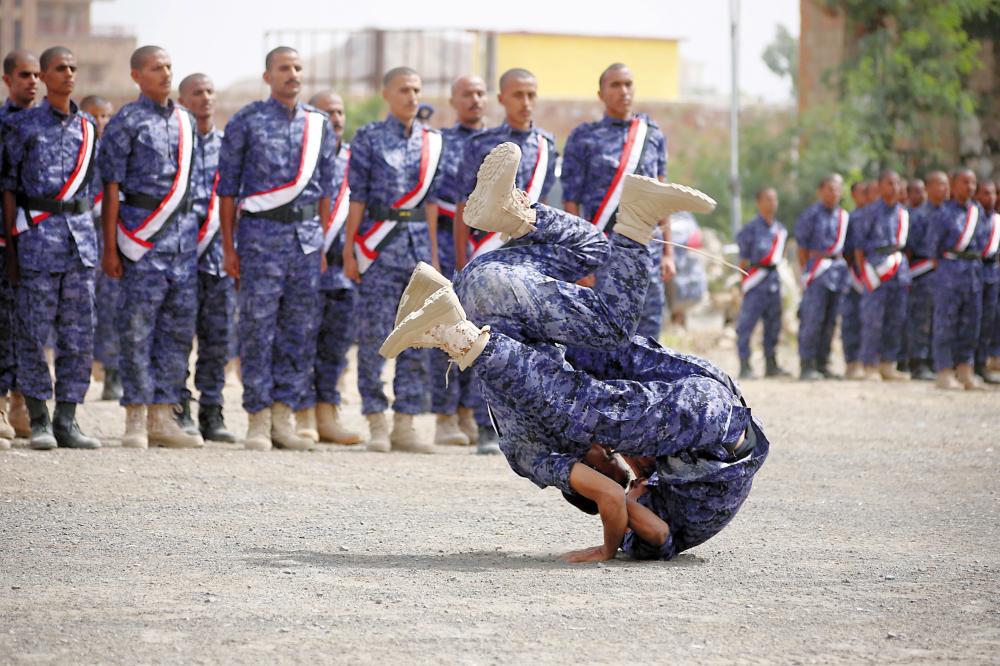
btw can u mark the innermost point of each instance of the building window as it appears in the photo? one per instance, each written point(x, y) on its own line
point(17, 33)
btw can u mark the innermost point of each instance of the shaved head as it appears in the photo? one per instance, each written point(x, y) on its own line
point(15, 58)
point(53, 53)
point(391, 75)
point(190, 80)
point(613, 67)
point(324, 99)
point(464, 81)
point(142, 54)
point(515, 74)
point(277, 51)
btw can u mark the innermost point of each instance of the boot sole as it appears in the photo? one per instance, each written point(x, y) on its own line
point(423, 283)
point(440, 309)
point(495, 179)
point(674, 196)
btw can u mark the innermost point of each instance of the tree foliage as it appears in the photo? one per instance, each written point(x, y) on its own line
point(782, 56)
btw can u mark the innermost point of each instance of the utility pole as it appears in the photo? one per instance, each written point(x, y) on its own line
point(735, 214)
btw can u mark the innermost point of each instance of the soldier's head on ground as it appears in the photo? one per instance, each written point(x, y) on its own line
point(153, 71)
point(518, 93)
point(916, 193)
point(332, 105)
point(468, 98)
point(58, 71)
point(101, 110)
point(937, 187)
point(986, 195)
point(616, 88)
point(283, 74)
point(401, 91)
point(197, 94)
point(963, 184)
point(21, 75)
point(767, 202)
point(603, 460)
point(831, 189)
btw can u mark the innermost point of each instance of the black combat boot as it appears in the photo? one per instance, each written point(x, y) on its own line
point(920, 369)
point(807, 371)
point(182, 413)
point(212, 425)
point(746, 371)
point(823, 369)
point(42, 438)
point(112, 386)
point(772, 369)
point(67, 431)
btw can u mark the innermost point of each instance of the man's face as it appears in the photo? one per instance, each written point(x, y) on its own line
point(60, 77)
point(916, 193)
point(156, 75)
point(963, 185)
point(101, 113)
point(937, 189)
point(831, 192)
point(285, 75)
point(23, 82)
point(333, 106)
point(767, 203)
point(901, 197)
point(617, 92)
point(889, 187)
point(873, 191)
point(860, 195)
point(199, 98)
point(986, 195)
point(518, 99)
point(402, 94)
point(469, 100)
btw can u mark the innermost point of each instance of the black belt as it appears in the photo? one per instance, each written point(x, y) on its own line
point(888, 249)
point(820, 255)
point(287, 213)
point(397, 214)
point(70, 206)
point(766, 267)
point(445, 223)
point(965, 254)
point(147, 202)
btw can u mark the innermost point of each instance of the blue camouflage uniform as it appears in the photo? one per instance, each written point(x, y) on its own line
point(816, 231)
point(920, 303)
point(57, 256)
point(883, 311)
point(957, 286)
point(991, 299)
point(106, 290)
point(280, 260)
point(461, 389)
point(385, 165)
point(763, 301)
point(338, 297)
point(609, 387)
point(216, 290)
point(7, 290)
point(591, 159)
point(157, 301)
point(850, 302)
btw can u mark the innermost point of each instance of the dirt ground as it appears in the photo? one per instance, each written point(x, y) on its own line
point(871, 535)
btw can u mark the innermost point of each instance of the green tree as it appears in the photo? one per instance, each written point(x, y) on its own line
point(782, 56)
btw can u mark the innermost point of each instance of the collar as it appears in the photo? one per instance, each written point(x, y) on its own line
point(616, 122)
point(10, 107)
point(516, 132)
point(397, 127)
point(213, 132)
point(465, 129)
point(163, 110)
point(279, 107)
point(764, 221)
point(73, 109)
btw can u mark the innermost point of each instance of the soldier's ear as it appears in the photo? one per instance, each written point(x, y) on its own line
point(133, 73)
point(266, 76)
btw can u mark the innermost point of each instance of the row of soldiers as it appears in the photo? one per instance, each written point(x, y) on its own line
point(913, 273)
point(275, 227)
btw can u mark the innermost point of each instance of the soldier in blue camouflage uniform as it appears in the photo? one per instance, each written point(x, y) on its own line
point(48, 175)
point(883, 306)
point(958, 282)
point(824, 274)
point(105, 289)
point(761, 244)
point(455, 397)
point(338, 297)
point(216, 290)
point(277, 260)
point(850, 303)
point(986, 195)
point(385, 167)
point(920, 303)
point(21, 76)
point(141, 157)
point(591, 162)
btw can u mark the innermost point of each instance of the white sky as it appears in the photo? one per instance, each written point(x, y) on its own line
point(225, 39)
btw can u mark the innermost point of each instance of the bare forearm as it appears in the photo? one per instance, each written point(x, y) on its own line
point(647, 524)
point(432, 229)
point(110, 209)
point(9, 214)
point(227, 221)
point(803, 257)
point(324, 210)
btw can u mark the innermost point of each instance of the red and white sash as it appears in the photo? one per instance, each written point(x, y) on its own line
point(757, 274)
point(366, 247)
point(635, 140)
point(338, 210)
point(993, 244)
point(276, 197)
point(98, 206)
point(135, 243)
point(874, 276)
point(921, 267)
point(84, 159)
point(971, 220)
point(210, 227)
point(481, 244)
point(823, 263)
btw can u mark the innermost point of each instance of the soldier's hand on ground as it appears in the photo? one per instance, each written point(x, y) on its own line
point(351, 266)
point(111, 264)
point(668, 268)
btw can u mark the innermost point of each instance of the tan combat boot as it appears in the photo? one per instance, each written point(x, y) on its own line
point(6, 429)
point(258, 431)
point(855, 371)
point(378, 437)
point(889, 372)
point(424, 281)
point(331, 427)
point(967, 378)
point(18, 415)
point(404, 436)
point(447, 432)
point(495, 204)
point(945, 380)
point(305, 424)
point(163, 430)
point(283, 434)
point(135, 428)
point(467, 422)
point(646, 201)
